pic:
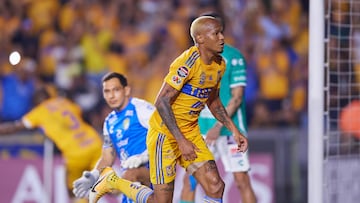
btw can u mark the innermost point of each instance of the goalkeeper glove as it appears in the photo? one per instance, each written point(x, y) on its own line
point(136, 160)
point(82, 185)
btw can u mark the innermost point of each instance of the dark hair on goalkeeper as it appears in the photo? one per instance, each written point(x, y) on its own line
point(119, 76)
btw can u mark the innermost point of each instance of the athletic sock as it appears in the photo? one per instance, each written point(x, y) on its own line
point(133, 190)
point(208, 199)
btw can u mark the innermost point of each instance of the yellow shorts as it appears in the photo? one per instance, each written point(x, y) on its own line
point(164, 153)
point(75, 166)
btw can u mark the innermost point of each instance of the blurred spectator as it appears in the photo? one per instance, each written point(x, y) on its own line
point(17, 88)
point(349, 123)
point(340, 67)
point(86, 93)
point(273, 68)
point(73, 39)
point(350, 119)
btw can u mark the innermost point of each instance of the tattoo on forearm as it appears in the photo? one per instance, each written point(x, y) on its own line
point(220, 114)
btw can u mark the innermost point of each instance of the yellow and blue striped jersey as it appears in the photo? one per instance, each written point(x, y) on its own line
point(62, 122)
point(195, 81)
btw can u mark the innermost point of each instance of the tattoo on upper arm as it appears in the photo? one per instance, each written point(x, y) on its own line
point(163, 104)
point(107, 140)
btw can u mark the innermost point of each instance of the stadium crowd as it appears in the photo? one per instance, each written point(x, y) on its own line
point(71, 44)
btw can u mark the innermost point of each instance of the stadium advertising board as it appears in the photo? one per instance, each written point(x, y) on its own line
point(23, 181)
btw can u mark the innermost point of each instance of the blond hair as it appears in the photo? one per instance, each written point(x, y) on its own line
point(197, 26)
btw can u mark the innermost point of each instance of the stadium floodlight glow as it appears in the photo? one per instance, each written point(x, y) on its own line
point(14, 58)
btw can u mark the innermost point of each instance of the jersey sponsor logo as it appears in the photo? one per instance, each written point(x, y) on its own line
point(196, 92)
point(129, 113)
point(233, 150)
point(237, 62)
point(182, 72)
point(241, 162)
point(122, 143)
point(176, 80)
point(239, 78)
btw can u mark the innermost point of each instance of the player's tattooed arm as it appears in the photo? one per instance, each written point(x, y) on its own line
point(218, 109)
point(163, 103)
point(108, 155)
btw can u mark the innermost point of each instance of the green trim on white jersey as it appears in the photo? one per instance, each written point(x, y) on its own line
point(234, 76)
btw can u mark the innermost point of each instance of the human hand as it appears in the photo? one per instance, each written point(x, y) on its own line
point(242, 142)
point(212, 135)
point(82, 185)
point(187, 149)
point(136, 160)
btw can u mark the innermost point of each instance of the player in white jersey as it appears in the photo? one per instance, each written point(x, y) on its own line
point(124, 130)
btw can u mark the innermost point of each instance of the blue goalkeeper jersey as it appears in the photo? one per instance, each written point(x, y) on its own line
point(126, 130)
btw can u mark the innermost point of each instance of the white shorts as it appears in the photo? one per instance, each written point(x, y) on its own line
point(226, 148)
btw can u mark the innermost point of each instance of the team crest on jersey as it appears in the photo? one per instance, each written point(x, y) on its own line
point(176, 79)
point(202, 78)
point(182, 71)
point(170, 170)
point(126, 123)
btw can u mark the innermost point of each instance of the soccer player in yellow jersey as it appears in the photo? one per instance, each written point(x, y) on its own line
point(174, 136)
point(61, 121)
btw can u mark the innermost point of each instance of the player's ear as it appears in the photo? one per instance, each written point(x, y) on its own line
point(127, 90)
point(199, 39)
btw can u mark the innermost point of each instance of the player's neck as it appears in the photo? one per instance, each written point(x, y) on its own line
point(206, 56)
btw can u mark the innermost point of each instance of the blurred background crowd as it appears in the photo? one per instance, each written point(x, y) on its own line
point(70, 44)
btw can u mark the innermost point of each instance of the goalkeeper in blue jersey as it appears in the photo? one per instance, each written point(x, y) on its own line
point(219, 138)
point(124, 131)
